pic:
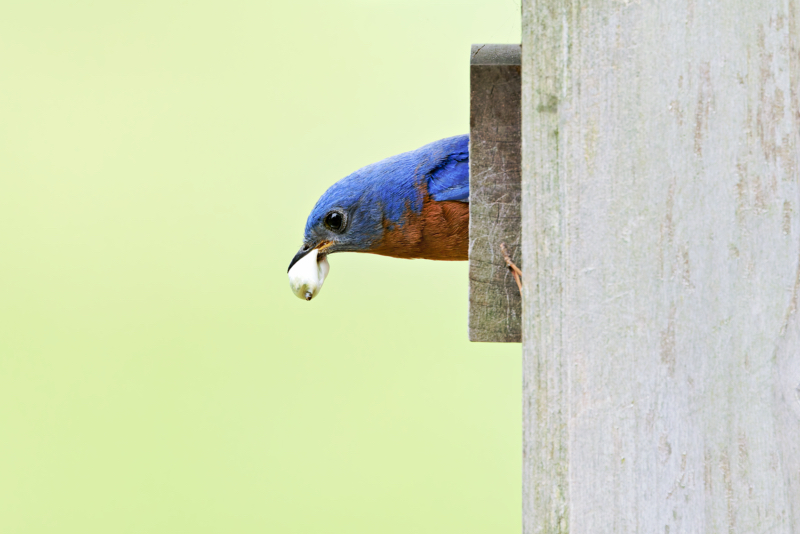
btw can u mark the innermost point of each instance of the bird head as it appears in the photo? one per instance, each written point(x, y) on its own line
point(353, 213)
point(357, 213)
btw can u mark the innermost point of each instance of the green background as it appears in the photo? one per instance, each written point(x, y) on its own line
point(158, 160)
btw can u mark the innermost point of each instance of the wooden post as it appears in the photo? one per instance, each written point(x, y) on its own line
point(495, 307)
point(661, 245)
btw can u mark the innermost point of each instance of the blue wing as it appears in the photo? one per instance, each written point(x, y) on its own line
point(449, 177)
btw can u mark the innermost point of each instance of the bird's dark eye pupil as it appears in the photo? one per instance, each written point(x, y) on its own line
point(334, 220)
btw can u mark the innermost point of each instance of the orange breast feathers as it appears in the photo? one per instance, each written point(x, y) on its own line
point(440, 231)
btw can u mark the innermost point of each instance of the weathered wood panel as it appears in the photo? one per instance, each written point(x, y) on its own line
point(661, 244)
point(495, 307)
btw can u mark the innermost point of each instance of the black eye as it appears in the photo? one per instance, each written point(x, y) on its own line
point(334, 221)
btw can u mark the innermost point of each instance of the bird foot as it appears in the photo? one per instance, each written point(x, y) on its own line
point(515, 271)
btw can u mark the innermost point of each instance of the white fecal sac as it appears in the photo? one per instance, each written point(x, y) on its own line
point(307, 275)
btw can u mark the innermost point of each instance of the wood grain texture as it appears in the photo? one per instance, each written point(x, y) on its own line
point(661, 244)
point(495, 307)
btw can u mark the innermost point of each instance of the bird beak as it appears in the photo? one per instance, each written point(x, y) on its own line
point(323, 247)
point(305, 249)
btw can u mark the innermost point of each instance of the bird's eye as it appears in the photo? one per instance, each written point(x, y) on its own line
point(334, 221)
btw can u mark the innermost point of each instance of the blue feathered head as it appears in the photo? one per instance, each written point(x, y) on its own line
point(355, 212)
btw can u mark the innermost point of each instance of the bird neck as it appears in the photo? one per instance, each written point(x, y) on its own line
point(439, 231)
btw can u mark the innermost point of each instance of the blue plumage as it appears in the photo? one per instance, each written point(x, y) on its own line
point(449, 180)
point(394, 183)
point(359, 211)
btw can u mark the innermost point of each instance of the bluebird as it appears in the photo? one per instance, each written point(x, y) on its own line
point(413, 205)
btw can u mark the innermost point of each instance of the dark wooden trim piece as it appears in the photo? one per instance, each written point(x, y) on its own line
point(495, 305)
